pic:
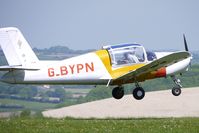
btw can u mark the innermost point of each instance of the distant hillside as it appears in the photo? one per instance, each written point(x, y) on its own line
point(62, 52)
point(58, 52)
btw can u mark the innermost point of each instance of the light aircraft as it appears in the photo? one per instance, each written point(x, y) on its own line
point(113, 65)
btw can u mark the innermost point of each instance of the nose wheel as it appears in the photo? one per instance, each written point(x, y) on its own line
point(118, 92)
point(176, 91)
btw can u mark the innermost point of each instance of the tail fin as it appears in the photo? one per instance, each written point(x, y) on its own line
point(16, 49)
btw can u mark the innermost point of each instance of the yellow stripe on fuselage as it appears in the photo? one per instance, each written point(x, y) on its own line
point(116, 72)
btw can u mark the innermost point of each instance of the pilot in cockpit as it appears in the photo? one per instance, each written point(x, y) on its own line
point(130, 57)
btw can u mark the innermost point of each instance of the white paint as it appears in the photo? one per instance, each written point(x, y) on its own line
point(178, 67)
point(16, 48)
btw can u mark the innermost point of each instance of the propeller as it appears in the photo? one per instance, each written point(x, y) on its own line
point(185, 43)
point(186, 47)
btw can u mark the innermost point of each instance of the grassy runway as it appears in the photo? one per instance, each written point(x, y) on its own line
point(68, 125)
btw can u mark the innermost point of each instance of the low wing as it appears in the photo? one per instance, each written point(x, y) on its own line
point(8, 68)
point(155, 65)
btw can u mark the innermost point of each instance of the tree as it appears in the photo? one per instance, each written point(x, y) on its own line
point(100, 92)
point(61, 93)
point(28, 93)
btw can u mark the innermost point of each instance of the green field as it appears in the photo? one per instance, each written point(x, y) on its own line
point(78, 90)
point(47, 125)
point(28, 105)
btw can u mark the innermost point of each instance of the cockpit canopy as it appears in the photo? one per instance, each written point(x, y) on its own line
point(126, 54)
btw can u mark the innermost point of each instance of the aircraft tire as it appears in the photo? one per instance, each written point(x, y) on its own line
point(176, 91)
point(138, 93)
point(118, 92)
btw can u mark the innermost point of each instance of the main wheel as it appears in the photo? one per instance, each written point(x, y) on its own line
point(118, 92)
point(138, 93)
point(176, 91)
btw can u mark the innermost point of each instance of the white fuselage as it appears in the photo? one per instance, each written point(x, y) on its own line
point(84, 69)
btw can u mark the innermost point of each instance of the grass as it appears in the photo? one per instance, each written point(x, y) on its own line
point(35, 106)
point(69, 125)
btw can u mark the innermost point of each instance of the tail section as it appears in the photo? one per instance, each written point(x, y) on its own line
point(16, 49)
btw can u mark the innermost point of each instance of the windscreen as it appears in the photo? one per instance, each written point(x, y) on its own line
point(127, 56)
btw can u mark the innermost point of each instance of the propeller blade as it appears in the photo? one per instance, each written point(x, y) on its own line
point(186, 47)
point(185, 43)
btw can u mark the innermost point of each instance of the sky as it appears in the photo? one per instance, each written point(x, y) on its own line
point(90, 24)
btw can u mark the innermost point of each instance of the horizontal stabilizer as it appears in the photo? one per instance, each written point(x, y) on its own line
point(9, 68)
